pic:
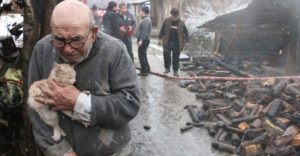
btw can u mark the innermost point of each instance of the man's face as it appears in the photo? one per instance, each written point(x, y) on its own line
point(142, 14)
point(78, 34)
point(123, 9)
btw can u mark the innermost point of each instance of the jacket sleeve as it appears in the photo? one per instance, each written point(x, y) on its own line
point(145, 29)
point(115, 25)
point(123, 103)
point(186, 34)
point(41, 131)
point(162, 31)
point(133, 24)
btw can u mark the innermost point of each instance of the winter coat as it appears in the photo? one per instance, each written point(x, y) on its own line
point(144, 29)
point(111, 24)
point(97, 20)
point(108, 64)
point(129, 21)
point(174, 31)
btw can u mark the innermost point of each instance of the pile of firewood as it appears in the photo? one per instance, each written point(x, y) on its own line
point(248, 117)
point(227, 66)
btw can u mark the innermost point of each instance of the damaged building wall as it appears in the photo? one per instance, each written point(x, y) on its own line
point(266, 32)
point(160, 9)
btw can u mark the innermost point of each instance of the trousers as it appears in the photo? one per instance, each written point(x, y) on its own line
point(171, 48)
point(142, 53)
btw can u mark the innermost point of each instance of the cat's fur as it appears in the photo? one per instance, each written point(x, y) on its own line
point(62, 73)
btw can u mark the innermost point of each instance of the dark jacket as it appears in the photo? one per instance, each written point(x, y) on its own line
point(107, 64)
point(174, 31)
point(111, 24)
point(97, 20)
point(129, 21)
point(144, 29)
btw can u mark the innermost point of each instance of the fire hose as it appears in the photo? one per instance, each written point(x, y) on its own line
point(221, 78)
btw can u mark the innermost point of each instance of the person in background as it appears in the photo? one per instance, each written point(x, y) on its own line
point(127, 25)
point(174, 36)
point(105, 94)
point(110, 20)
point(96, 16)
point(143, 40)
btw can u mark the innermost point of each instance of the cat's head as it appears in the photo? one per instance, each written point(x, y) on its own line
point(63, 73)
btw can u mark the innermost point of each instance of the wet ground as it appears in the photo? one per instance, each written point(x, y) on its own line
point(162, 102)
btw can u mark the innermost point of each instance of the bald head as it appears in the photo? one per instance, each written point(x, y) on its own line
point(71, 13)
point(73, 30)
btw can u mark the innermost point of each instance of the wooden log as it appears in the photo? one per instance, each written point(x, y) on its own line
point(212, 103)
point(296, 140)
point(252, 150)
point(280, 87)
point(233, 69)
point(235, 139)
point(244, 119)
point(205, 96)
point(275, 106)
point(283, 140)
point(224, 147)
point(224, 118)
point(257, 140)
point(223, 136)
point(253, 91)
point(271, 128)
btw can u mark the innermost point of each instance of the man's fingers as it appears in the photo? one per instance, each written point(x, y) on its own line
point(60, 84)
point(51, 84)
point(44, 101)
point(40, 99)
point(48, 93)
point(55, 108)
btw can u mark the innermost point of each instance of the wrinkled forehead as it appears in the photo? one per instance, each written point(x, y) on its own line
point(70, 30)
point(66, 21)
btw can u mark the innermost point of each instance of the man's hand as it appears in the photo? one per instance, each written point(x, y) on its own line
point(130, 28)
point(59, 96)
point(72, 154)
point(140, 43)
point(122, 29)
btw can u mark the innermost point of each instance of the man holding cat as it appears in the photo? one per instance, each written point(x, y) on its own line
point(103, 68)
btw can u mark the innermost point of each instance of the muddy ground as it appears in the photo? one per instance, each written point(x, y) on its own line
point(162, 102)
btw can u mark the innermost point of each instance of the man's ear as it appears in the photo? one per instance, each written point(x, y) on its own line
point(95, 32)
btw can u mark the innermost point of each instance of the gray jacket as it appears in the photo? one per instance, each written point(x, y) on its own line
point(144, 29)
point(108, 64)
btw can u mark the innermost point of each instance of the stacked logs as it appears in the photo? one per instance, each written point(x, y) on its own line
point(248, 118)
point(226, 66)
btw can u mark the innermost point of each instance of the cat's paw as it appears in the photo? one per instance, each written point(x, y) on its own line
point(56, 137)
point(62, 132)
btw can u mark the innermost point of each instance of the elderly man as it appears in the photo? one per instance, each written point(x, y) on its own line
point(103, 67)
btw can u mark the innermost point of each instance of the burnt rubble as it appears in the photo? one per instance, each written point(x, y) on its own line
point(244, 117)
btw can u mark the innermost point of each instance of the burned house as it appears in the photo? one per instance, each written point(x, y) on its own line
point(265, 34)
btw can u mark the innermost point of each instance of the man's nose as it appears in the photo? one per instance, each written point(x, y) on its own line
point(67, 48)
